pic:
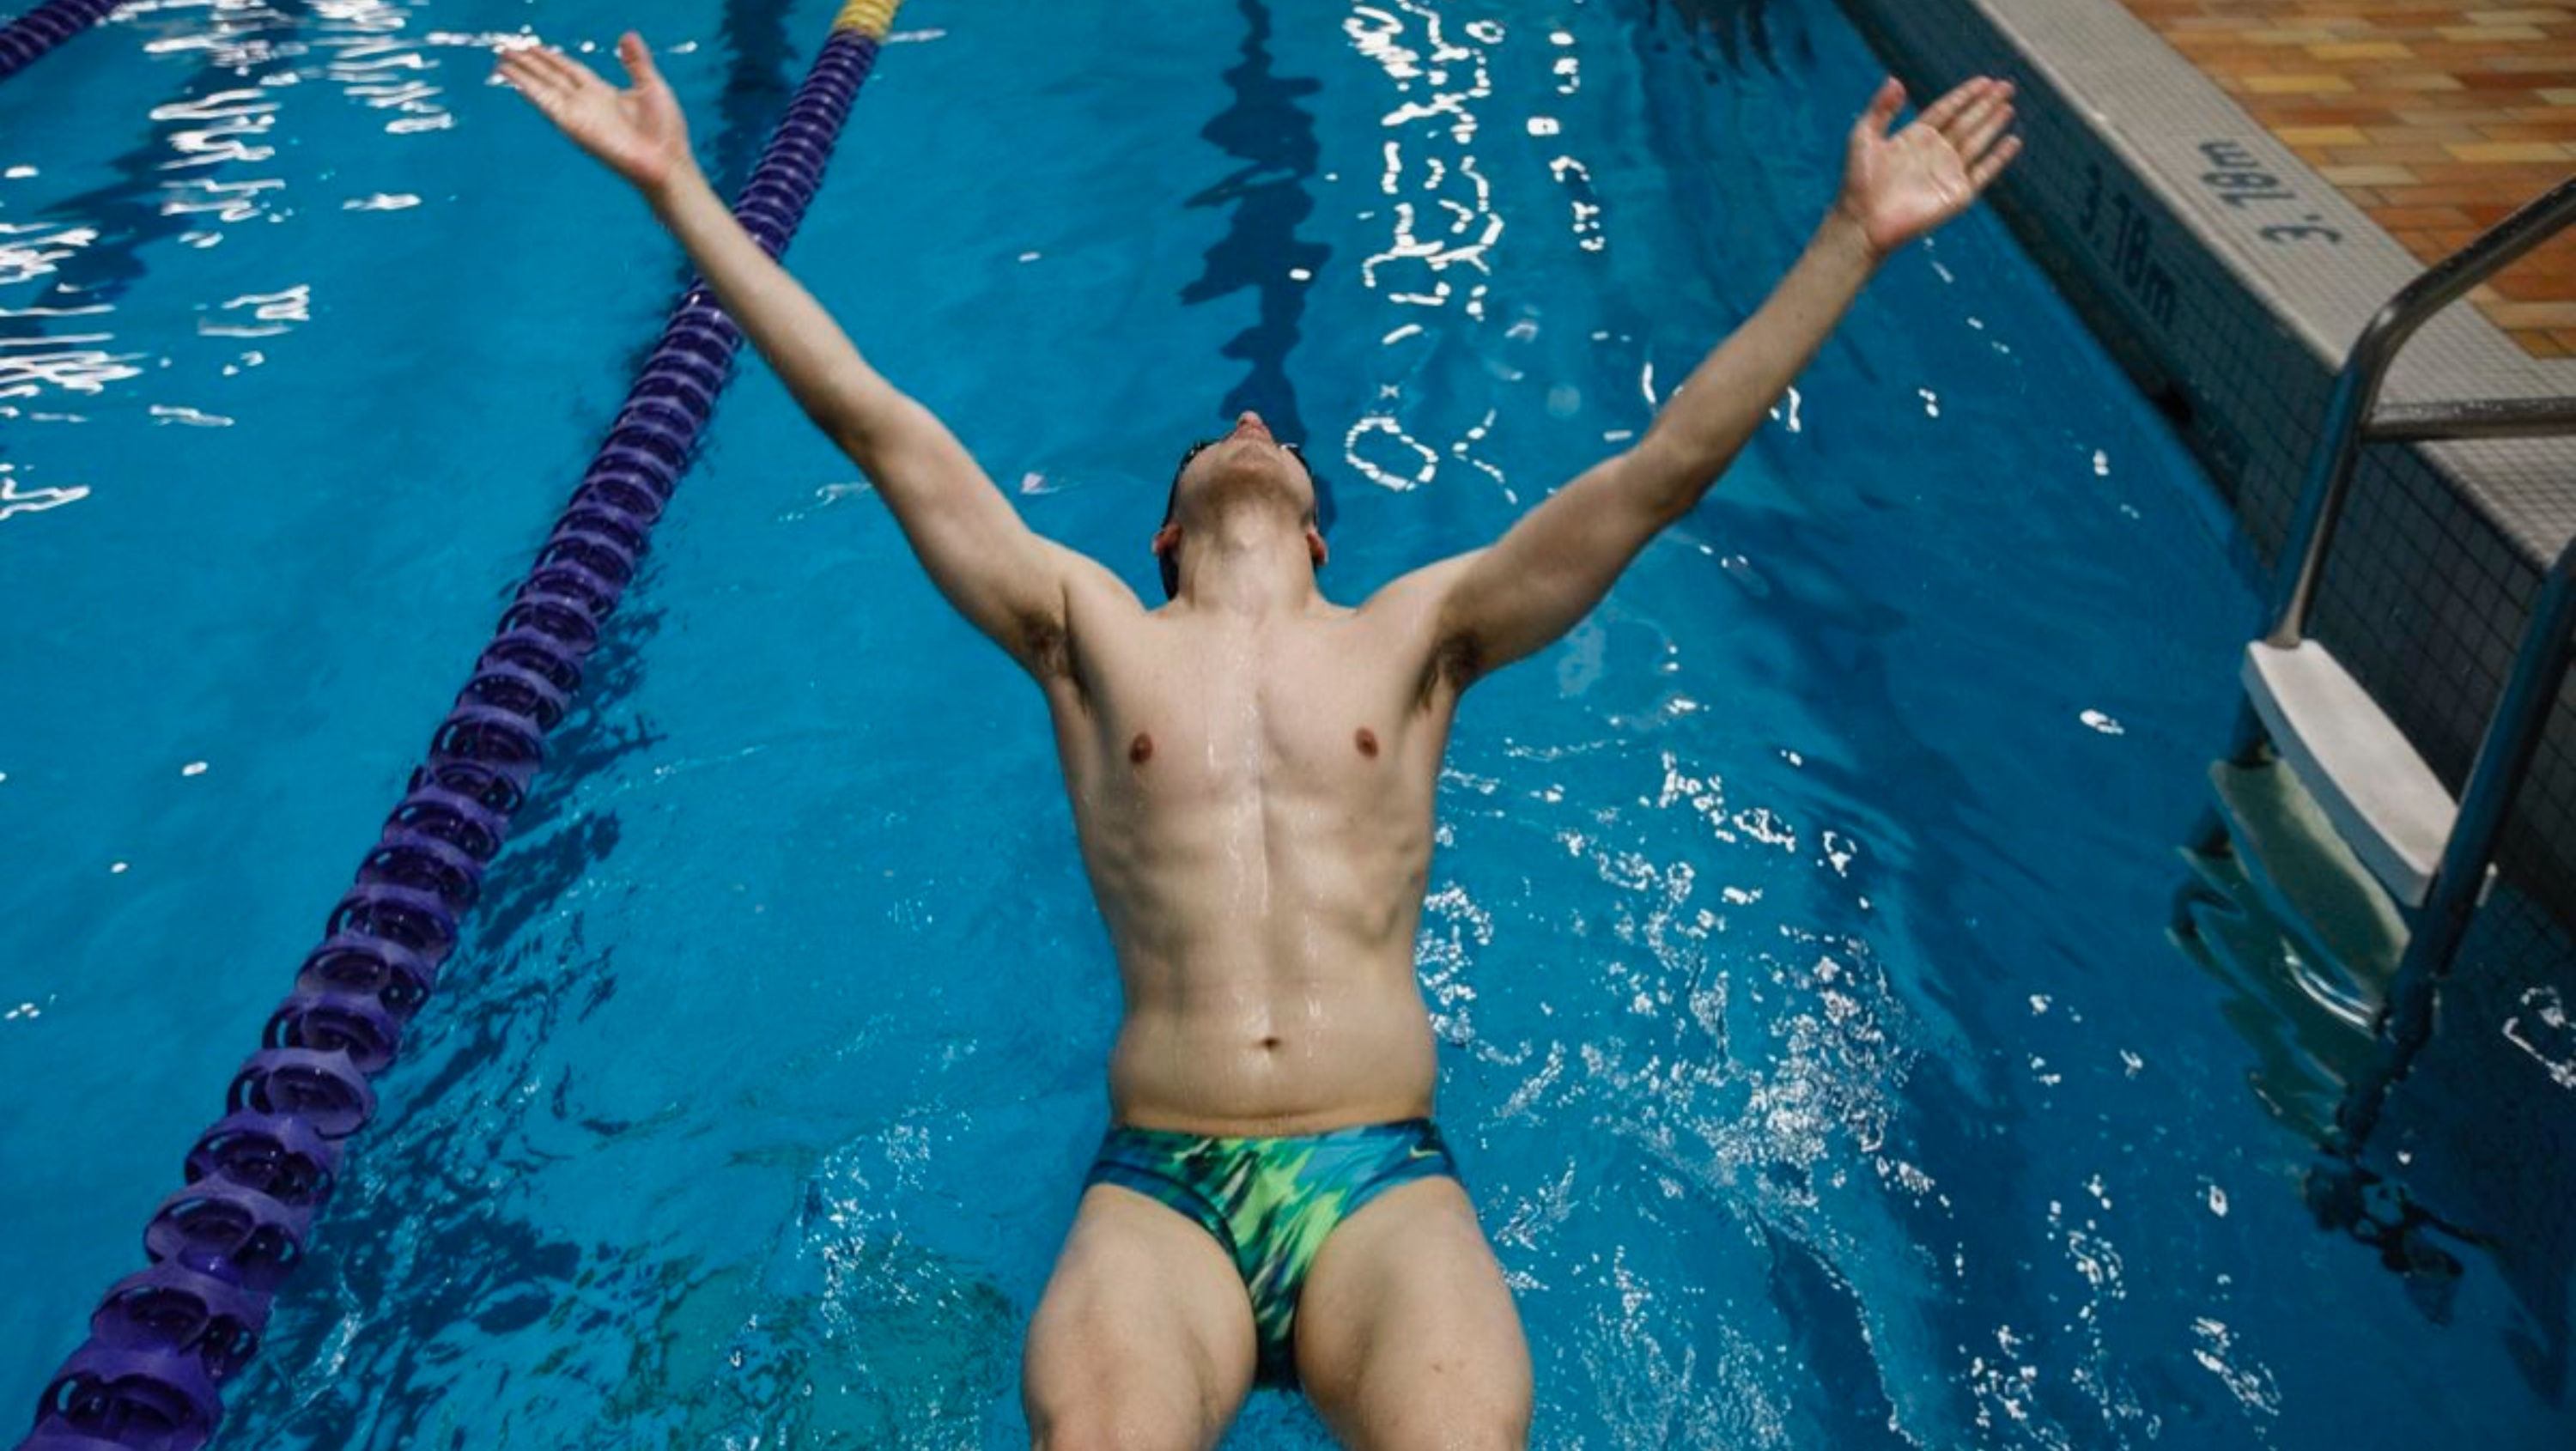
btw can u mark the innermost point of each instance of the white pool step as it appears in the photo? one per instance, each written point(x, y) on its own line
point(2302, 887)
point(2378, 793)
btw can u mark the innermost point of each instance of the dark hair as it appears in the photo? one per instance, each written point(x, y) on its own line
point(1170, 559)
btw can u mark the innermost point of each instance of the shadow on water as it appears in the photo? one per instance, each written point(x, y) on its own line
point(757, 86)
point(1274, 138)
point(126, 213)
point(1834, 1325)
point(1741, 31)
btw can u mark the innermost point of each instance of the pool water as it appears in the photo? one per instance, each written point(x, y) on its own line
point(1796, 935)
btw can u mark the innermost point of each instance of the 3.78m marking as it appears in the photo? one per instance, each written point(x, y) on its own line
point(2127, 240)
point(2240, 181)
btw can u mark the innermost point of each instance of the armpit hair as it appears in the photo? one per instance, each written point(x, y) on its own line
point(1457, 660)
point(1046, 645)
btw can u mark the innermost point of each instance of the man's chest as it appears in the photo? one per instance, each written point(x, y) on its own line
point(1313, 706)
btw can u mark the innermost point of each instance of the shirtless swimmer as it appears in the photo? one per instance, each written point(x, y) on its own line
point(1252, 771)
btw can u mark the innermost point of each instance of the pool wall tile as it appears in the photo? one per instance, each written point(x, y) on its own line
point(2234, 316)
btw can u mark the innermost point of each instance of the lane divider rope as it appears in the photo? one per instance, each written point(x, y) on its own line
point(31, 36)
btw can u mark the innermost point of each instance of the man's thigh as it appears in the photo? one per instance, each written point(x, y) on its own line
point(1406, 1333)
point(1144, 1338)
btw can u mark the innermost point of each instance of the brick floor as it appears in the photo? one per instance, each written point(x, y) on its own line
point(2437, 120)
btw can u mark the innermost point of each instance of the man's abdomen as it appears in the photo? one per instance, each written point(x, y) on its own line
point(1251, 1056)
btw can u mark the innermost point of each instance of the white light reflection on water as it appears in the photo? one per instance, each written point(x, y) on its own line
point(168, 413)
point(269, 314)
point(235, 35)
point(2250, 1383)
point(227, 126)
point(1444, 221)
point(39, 256)
point(2547, 1038)
point(71, 364)
point(15, 501)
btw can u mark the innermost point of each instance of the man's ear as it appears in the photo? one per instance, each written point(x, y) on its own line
point(1315, 546)
point(1166, 539)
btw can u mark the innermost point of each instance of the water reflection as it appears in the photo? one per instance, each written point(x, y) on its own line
point(1444, 227)
point(205, 164)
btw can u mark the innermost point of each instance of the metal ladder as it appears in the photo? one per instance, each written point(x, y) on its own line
point(2431, 854)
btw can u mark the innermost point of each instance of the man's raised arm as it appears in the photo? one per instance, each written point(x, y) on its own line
point(1001, 576)
point(1555, 564)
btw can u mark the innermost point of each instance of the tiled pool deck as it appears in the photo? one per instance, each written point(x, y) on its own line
point(2435, 120)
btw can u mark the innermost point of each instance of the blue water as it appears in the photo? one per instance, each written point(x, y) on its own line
point(1811, 1039)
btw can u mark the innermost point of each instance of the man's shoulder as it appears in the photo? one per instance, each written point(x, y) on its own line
point(1418, 594)
point(1088, 581)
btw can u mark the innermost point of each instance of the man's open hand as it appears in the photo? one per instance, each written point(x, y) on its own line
point(637, 132)
point(1899, 187)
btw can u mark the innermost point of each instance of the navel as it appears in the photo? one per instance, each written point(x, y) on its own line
point(1366, 740)
point(1141, 749)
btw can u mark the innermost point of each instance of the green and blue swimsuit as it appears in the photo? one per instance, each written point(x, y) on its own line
point(1271, 1202)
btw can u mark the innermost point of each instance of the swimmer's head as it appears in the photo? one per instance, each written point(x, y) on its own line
point(1245, 468)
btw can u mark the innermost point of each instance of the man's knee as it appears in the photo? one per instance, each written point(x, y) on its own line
point(1096, 1402)
point(1456, 1428)
point(1107, 1422)
point(1501, 1430)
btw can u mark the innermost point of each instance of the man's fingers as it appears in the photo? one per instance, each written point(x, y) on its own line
point(553, 82)
point(1996, 160)
point(1977, 133)
point(637, 57)
point(1961, 126)
point(563, 71)
point(1882, 108)
point(546, 68)
point(1945, 110)
point(525, 77)
point(528, 69)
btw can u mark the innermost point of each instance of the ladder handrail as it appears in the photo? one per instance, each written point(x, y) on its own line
point(2356, 390)
point(2471, 418)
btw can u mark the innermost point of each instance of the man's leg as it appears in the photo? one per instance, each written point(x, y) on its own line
point(1406, 1335)
point(1144, 1339)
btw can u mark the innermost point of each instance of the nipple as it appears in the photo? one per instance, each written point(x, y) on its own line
point(1366, 740)
point(1141, 749)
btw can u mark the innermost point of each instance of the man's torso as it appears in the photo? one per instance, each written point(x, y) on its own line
point(1254, 796)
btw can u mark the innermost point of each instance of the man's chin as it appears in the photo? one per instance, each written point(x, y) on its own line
point(1253, 488)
